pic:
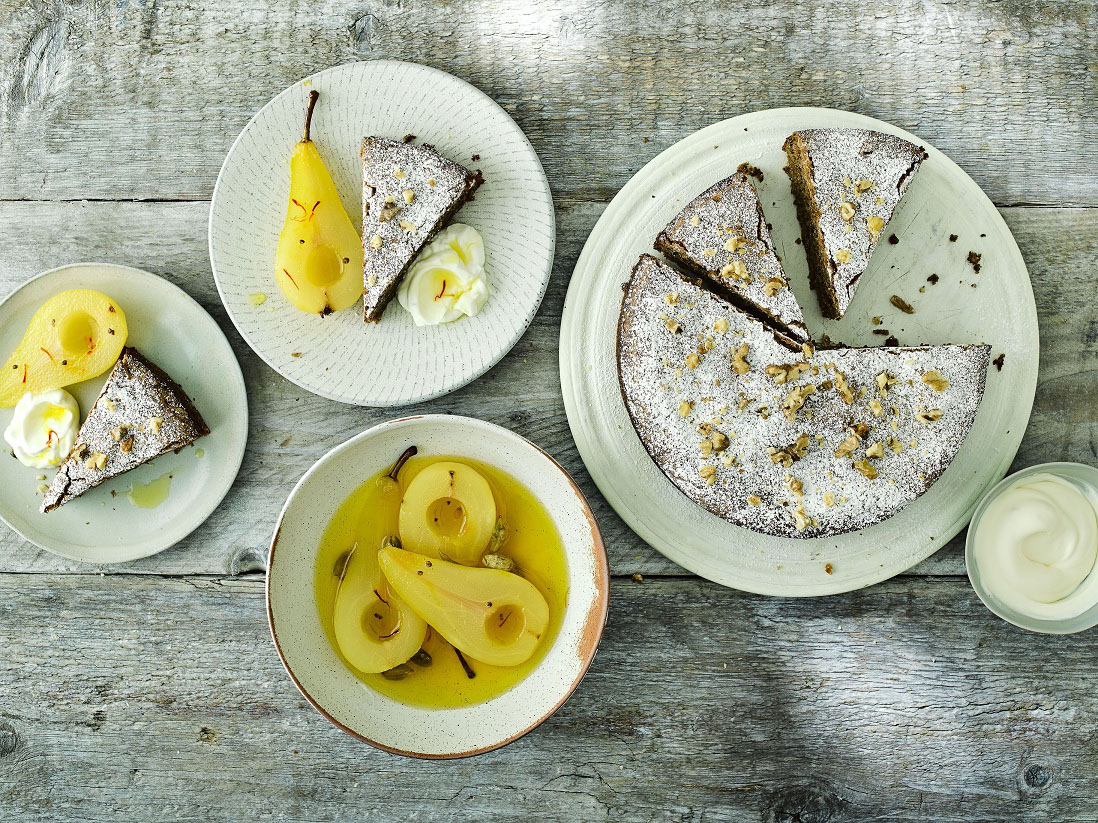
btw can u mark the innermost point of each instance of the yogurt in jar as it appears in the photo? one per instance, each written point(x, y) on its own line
point(1036, 544)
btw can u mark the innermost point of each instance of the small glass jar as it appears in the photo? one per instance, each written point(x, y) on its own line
point(1083, 477)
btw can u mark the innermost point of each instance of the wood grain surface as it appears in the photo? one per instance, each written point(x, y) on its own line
point(151, 691)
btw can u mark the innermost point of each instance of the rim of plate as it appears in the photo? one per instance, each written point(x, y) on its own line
point(520, 330)
point(571, 369)
point(237, 458)
point(593, 632)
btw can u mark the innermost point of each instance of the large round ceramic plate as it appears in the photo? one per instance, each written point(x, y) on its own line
point(393, 362)
point(173, 331)
point(995, 306)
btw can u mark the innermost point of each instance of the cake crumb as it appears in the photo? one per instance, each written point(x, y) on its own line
point(998, 361)
point(974, 259)
point(952, 238)
point(901, 304)
point(893, 239)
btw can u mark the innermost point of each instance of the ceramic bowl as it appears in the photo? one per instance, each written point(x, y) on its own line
point(331, 687)
point(1078, 474)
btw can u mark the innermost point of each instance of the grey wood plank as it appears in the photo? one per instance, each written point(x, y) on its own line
point(138, 699)
point(290, 428)
point(1004, 88)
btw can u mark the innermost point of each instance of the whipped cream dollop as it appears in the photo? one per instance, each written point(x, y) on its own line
point(447, 279)
point(1036, 546)
point(43, 428)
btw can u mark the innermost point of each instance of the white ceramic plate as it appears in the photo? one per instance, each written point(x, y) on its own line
point(177, 334)
point(1000, 311)
point(331, 687)
point(391, 363)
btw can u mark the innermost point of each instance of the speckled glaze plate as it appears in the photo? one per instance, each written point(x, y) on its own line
point(391, 363)
point(175, 333)
point(333, 689)
point(995, 307)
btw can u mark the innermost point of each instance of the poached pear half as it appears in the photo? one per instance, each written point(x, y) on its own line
point(318, 263)
point(492, 616)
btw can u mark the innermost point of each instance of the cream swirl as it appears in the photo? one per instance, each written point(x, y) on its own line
point(43, 428)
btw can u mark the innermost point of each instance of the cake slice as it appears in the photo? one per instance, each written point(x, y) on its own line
point(722, 237)
point(846, 185)
point(786, 441)
point(409, 192)
point(140, 414)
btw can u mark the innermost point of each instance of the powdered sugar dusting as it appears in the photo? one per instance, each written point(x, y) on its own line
point(722, 235)
point(668, 325)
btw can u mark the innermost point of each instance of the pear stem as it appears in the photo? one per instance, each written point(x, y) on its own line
point(465, 664)
point(313, 95)
point(409, 453)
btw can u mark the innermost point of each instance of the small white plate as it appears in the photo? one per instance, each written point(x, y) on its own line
point(177, 334)
point(941, 201)
point(392, 363)
point(333, 689)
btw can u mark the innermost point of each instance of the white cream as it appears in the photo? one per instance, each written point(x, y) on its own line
point(447, 279)
point(43, 428)
point(1036, 545)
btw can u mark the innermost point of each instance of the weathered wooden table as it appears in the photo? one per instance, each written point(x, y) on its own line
point(151, 691)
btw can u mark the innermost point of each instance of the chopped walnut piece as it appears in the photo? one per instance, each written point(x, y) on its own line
point(863, 186)
point(109, 404)
point(884, 380)
point(754, 500)
point(709, 474)
point(388, 213)
point(794, 485)
point(685, 407)
point(127, 444)
point(848, 446)
point(154, 424)
point(695, 220)
point(795, 399)
point(866, 468)
point(875, 224)
point(672, 326)
point(935, 380)
point(901, 304)
point(786, 372)
point(97, 460)
point(829, 499)
point(404, 224)
point(739, 360)
point(735, 243)
point(409, 196)
point(801, 519)
point(845, 392)
point(876, 407)
point(692, 361)
point(807, 349)
point(929, 416)
point(895, 445)
point(117, 433)
point(772, 286)
point(846, 210)
point(875, 450)
point(371, 281)
point(736, 270)
point(706, 447)
point(720, 441)
point(721, 326)
point(671, 298)
point(843, 255)
point(376, 241)
point(398, 173)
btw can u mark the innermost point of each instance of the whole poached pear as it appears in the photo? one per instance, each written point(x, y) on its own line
point(318, 263)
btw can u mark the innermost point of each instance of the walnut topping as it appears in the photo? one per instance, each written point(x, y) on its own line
point(935, 380)
point(706, 447)
point(735, 243)
point(709, 474)
point(398, 173)
point(695, 220)
point(829, 499)
point(895, 445)
point(80, 450)
point(371, 280)
point(692, 361)
point(154, 424)
point(929, 416)
point(109, 404)
point(863, 186)
point(876, 407)
point(409, 196)
point(866, 468)
point(671, 298)
point(431, 181)
point(720, 441)
point(97, 460)
point(794, 485)
point(721, 326)
point(736, 270)
point(876, 450)
point(388, 213)
point(875, 225)
point(801, 519)
point(118, 432)
point(685, 407)
point(845, 392)
point(786, 372)
point(127, 444)
point(772, 286)
point(843, 255)
point(376, 241)
point(795, 399)
point(739, 360)
point(848, 446)
point(846, 210)
point(807, 349)
point(884, 380)
point(754, 500)
point(673, 326)
point(404, 224)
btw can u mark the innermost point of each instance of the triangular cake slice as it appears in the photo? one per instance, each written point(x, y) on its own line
point(793, 443)
point(409, 192)
point(846, 184)
point(140, 414)
point(722, 237)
